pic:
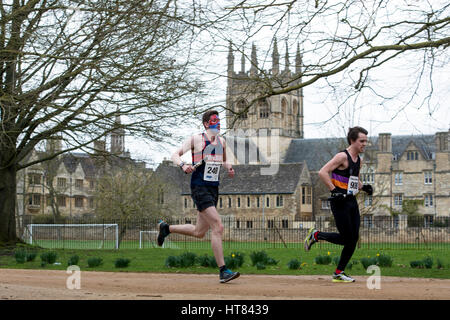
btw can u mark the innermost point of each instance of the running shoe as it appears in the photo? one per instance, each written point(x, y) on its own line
point(228, 275)
point(163, 232)
point(342, 277)
point(310, 239)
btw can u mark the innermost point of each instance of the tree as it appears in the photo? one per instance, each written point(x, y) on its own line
point(69, 68)
point(129, 193)
point(345, 47)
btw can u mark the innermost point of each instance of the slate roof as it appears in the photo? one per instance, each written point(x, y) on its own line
point(316, 152)
point(247, 180)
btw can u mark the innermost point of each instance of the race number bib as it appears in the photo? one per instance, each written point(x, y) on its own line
point(352, 187)
point(212, 170)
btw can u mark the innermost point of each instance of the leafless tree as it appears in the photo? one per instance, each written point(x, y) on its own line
point(128, 194)
point(69, 68)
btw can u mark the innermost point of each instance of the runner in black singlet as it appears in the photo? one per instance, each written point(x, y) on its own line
point(344, 184)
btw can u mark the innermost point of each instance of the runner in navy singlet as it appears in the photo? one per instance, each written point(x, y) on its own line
point(208, 155)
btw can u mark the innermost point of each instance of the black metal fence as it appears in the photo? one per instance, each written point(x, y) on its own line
point(253, 233)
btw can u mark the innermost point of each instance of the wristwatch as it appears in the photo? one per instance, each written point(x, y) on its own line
point(181, 165)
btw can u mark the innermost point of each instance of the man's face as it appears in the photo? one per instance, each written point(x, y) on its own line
point(360, 143)
point(213, 124)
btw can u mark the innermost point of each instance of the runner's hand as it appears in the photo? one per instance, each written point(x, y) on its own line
point(231, 172)
point(187, 168)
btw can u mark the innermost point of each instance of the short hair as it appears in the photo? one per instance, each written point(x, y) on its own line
point(208, 114)
point(353, 133)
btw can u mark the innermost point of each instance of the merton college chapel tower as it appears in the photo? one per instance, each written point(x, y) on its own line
point(277, 118)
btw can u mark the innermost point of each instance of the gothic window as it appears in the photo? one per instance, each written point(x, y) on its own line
point(241, 106)
point(263, 109)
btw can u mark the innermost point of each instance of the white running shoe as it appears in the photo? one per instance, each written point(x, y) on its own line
point(342, 277)
point(310, 240)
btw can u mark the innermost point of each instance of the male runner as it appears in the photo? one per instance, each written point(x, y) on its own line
point(208, 154)
point(344, 184)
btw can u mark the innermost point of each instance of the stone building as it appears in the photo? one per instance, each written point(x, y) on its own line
point(250, 195)
point(67, 183)
point(399, 168)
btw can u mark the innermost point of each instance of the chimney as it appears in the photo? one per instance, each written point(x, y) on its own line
point(385, 142)
point(99, 146)
point(441, 141)
point(54, 145)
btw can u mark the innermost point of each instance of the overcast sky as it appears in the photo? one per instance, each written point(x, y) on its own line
point(396, 101)
point(330, 118)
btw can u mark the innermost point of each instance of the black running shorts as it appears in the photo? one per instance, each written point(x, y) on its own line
point(205, 196)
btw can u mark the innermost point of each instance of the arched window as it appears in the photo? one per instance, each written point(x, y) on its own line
point(241, 109)
point(264, 110)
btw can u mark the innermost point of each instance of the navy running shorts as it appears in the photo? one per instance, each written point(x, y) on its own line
point(205, 196)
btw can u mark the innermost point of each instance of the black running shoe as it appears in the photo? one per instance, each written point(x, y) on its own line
point(228, 275)
point(163, 232)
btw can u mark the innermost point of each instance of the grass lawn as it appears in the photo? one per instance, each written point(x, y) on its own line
point(153, 260)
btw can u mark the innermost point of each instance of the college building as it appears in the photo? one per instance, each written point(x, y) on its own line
point(277, 168)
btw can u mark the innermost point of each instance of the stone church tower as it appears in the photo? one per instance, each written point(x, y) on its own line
point(270, 123)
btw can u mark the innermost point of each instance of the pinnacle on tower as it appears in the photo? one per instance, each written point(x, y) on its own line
point(298, 60)
point(275, 58)
point(243, 62)
point(254, 61)
point(286, 58)
point(230, 58)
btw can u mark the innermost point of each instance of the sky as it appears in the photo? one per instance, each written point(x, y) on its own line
point(395, 103)
point(334, 119)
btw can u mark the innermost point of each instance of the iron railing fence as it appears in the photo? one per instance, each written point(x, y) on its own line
point(252, 233)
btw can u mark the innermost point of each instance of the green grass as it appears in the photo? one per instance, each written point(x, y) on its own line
point(153, 260)
point(236, 245)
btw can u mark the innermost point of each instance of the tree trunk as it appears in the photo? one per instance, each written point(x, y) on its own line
point(8, 205)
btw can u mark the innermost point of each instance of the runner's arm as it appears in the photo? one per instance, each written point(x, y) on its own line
point(187, 145)
point(325, 171)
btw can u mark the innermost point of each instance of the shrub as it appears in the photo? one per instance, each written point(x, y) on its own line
point(336, 260)
point(73, 260)
point(384, 260)
point(416, 264)
point(294, 264)
point(262, 257)
point(173, 262)
point(187, 259)
point(31, 256)
point(207, 261)
point(322, 259)
point(428, 262)
point(122, 263)
point(260, 266)
point(20, 255)
point(94, 262)
point(366, 262)
point(49, 257)
point(439, 264)
point(235, 260)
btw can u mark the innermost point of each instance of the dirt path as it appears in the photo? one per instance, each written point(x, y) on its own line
point(48, 285)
